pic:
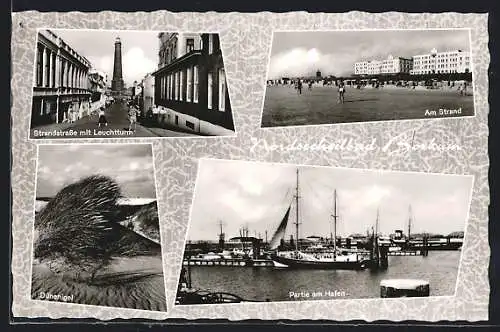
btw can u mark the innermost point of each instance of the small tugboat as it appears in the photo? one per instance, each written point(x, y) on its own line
point(404, 288)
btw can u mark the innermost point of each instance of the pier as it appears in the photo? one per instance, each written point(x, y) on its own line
point(229, 262)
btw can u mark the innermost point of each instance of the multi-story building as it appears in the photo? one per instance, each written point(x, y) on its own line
point(148, 93)
point(60, 80)
point(391, 65)
point(435, 62)
point(190, 84)
point(98, 82)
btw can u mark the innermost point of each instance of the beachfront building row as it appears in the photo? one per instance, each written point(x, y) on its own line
point(190, 88)
point(435, 62)
point(391, 65)
point(60, 80)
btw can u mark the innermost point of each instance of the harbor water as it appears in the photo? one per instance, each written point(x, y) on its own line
point(440, 268)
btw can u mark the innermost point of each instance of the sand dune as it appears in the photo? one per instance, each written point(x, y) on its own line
point(129, 282)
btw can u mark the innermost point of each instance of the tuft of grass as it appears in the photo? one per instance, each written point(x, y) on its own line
point(73, 230)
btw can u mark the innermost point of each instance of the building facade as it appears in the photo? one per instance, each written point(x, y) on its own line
point(97, 84)
point(435, 62)
point(117, 84)
point(391, 65)
point(60, 81)
point(148, 93)
point(190, 84)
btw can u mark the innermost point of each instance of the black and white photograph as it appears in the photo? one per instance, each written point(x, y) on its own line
point(331, 77)
point(266, 232)
point(96, 230)
point(126, 84)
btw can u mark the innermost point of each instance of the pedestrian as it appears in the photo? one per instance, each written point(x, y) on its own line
point(102, 118)
point(132, 117)
point(341, 92)
point(310, 85)
point(299, 87)
point(70, 113)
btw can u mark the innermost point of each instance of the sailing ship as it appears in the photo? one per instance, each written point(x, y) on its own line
point(318, 260)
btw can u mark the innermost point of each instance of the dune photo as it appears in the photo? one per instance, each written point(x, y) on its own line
point(93, 244)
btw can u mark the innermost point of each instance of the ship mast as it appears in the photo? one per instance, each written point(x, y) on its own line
point(297, 213)
point(409, 222)
point(335, 223)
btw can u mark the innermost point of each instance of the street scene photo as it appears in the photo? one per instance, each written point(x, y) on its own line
point(123, 84)
point(96, 234)
point(329, 77)
point(265, 232)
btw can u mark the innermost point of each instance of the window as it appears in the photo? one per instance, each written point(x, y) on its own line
point(210, 43)
point(222, 90)
point(181, 85)
point(190, 125)
point(46, 74)
point(53, 63)
point(195, 85)
point(62, 73)
point(176, 120)
point(209, 95)
point(169, 96)
point(39, 72)
point(189, 45)
point(177, 86)
point(165, 87)
point(171, 86)
point(189, 80)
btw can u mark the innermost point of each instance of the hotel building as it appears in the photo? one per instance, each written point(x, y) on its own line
point(60, 80)
point(391, 65)
point(190, 84)
point(435, 62)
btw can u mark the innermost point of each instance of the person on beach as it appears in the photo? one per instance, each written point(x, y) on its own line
point(341, 92)
point(102, 118)
point(132, 117)
point(299, 87)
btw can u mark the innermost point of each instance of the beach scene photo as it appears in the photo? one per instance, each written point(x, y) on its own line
point(265, 232)
point(329, 77)
point(96, 229)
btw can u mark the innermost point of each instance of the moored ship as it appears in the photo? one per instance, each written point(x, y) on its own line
point(320, 259)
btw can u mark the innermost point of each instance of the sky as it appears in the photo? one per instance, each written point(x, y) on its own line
point(335, 52)
point(139, 50)
point(130, 165)
point(257, 195)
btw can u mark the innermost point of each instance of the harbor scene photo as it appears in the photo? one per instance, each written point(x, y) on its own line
point(266, 232)
point(96, 230)
point(329, 77)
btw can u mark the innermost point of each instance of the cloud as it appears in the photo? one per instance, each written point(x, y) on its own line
point(258, 194)
point(335, 52)
point(131, 165)
point(136, 65)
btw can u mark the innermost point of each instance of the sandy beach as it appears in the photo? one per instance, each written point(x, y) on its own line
point(128, 282)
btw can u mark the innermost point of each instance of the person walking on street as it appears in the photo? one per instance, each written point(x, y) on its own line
point(132, 117)
point(102, 118)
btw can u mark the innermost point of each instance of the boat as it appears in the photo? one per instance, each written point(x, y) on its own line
point(404, 288)
point(297, 259)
